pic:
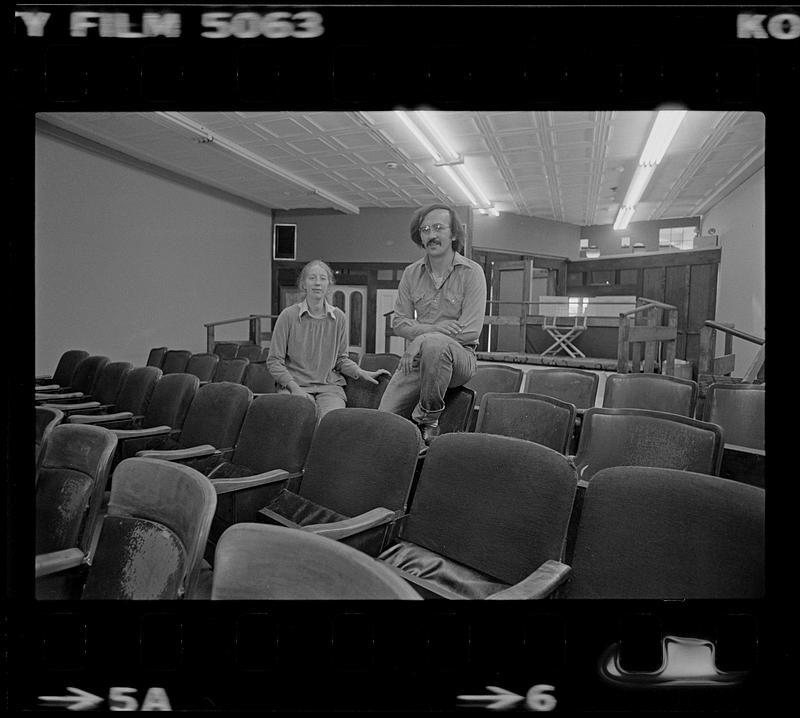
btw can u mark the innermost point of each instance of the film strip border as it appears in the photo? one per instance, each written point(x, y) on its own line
point(340, 656)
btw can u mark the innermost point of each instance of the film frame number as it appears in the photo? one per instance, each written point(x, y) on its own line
point(274, 25)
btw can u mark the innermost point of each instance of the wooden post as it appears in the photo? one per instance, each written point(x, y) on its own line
point(670, 348)
point(651, 344)
point(255, 330)
point(210, 338)
point(708, 344)
point(622, 345)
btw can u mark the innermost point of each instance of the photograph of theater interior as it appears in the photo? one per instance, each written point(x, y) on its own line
point(609, 444)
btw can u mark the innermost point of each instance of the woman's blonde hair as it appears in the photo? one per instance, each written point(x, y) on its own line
point(305, 270)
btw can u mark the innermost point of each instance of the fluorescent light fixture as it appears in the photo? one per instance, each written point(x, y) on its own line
point(661, 134)
point(218, 141)
point(641, 177)
point(439, 148)
point(623, 217)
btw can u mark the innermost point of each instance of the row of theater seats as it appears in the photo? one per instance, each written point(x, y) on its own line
point(487, 515)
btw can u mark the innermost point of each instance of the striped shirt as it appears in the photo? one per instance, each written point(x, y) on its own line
point(310, 350)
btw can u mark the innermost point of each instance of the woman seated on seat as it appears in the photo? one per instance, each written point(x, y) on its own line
point(308, 350)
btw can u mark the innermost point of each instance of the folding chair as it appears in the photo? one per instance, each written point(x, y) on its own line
point(260, 562)
point(652, 533)
point(563, 335)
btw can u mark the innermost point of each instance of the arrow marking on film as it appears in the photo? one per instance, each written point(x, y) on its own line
point(80, 700)
point(501, 698)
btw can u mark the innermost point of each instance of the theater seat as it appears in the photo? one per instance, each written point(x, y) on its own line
point(83, 381)
point(260, 562)
point(175, 361)
point(231, 370)
point(533, 417)
point(356, 480)
point(384, 360)
point(575, 386)
point(458, 407)
point(210, 429)
point(46, 420)
point(639, 437)
point(251, 352)
point(105, 392)
point(362, 394)
point(133, 398)
point(258, 379)
point(151, 540)
point(69, 490)
point(269, 454)
point(657, 392)
point(65, 369)
point(203, 366)
point(650, 533)
point(156, 357)
point(226, 350)
point(497, 378)
point(489, 519)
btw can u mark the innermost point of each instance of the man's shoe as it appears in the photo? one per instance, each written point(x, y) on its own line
point(429, 433)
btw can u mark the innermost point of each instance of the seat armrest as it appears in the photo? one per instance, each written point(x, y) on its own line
point(100, 418)
point(224, 486)
point(45, 396)
point(745, 450)
point(269, 516)
point(57, 561)
point(124, 434)
point(348, 527)
point(73, 407)
point(540, 584)
point(47, 387)
point(191, 452)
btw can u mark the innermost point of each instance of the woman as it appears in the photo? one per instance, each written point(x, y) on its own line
point(308, 349)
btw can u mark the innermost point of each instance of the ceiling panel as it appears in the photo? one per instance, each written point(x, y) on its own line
point(568, 166)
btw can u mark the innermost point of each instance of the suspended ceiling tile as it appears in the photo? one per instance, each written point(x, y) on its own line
point(356, 140)
point(511, 121)
point(331, 121)
point(283, 128)
point(375, 156)
point(334, 161)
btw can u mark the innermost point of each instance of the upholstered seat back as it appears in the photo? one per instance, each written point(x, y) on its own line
point(361, 459)
point(495, 504)
point(533, 417)
point(257, 561)
point(739, 410)
point(175, 361)
point(202, 365)
point(171, 398)
point(231, 370)
point(458, 406)
point(226, 350)
point(276, 433)
point(156, 357)
point(65, 369)
point(155, 531)
point(495, 378)
point(361, 394)
point(258, 379)
point(638, 437)
point(137, 389)
point(110, 380)
point(215, 415)
point(87, 373)
point(386, 360)
point(71, 479)
point(575, 386)
point(667, 534)
point(657, 392)
point(46, 420)
point(251, 352)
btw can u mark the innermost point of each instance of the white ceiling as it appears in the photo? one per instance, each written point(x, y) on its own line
point(565, 166)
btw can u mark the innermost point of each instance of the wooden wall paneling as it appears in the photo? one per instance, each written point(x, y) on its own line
point(677, 293)
point(702, 306)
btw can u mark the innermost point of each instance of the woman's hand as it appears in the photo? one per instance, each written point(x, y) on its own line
point(372, 376)
point(297, 391)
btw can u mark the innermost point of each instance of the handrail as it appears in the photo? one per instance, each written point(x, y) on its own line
point(734, 332)
point(651, 304)
point(240, 319)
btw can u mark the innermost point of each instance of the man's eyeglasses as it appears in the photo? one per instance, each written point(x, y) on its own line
point(428, 228)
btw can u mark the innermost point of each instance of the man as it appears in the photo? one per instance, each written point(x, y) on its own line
point(439, 311)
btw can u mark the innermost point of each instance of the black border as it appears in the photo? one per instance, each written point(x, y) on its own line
point(392, 657)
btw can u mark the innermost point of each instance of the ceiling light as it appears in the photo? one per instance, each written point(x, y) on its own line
point(424, 129)
point(661, 133)
point(213, 140)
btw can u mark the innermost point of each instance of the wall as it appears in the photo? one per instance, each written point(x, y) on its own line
point(527, 235)
point(127, 259)
point(373, 235)
point(739, 221)
point(607, 239)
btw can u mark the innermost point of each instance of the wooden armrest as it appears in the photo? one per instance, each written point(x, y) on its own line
point(266, 515)
point(73, 407)
point(124, 434)
point(47, 387)
point(540, 584)
point(224, 486)
point(57, 561)
point(745, 450)
point(45, 396)
point(191, 452)
point(348, 527)
point(100, 418)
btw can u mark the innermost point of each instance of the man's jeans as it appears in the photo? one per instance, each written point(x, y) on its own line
point(442, 363)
